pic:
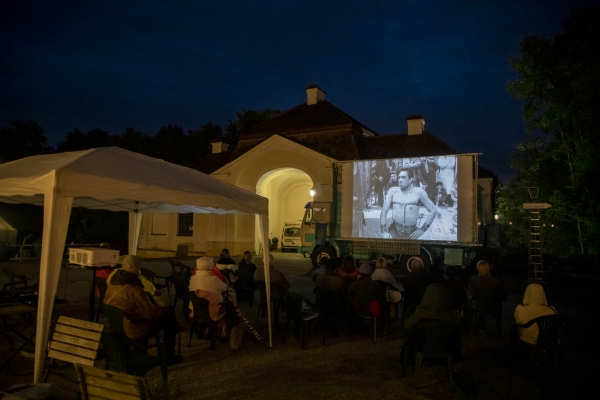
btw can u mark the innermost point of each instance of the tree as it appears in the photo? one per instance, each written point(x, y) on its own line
point(246, 119)
point(23, 138)
point(77, 140)
point(559, 82)
point(200, 139)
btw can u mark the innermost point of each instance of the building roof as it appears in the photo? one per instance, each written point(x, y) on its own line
point(304, 118)
point(404, 145)
point(326, 129)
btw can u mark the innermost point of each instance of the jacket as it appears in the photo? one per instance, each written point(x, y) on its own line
point(534, 305)
point(126, 292)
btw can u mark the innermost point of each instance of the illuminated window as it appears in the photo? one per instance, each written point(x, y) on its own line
point(186, 225)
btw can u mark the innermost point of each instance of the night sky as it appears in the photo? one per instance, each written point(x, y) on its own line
point(145, 64)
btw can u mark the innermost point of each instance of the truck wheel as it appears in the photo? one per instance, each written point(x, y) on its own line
point(406, 260)
point(320, 252)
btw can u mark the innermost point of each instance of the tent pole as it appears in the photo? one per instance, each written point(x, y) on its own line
point(264, 230)
point(57, 211)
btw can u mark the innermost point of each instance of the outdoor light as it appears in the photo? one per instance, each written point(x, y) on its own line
point(312, 193)
point(533, 192)
point(496, 217)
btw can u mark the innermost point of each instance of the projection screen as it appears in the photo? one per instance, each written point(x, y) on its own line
point(422, 199)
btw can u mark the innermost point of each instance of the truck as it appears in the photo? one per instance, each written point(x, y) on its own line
point(435, 208)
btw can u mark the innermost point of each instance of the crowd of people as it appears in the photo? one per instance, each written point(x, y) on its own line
point(425, 299)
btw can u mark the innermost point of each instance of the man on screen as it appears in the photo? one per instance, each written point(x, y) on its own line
point(404, 201)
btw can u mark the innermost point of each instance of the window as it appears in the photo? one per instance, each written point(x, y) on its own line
point(186, 225)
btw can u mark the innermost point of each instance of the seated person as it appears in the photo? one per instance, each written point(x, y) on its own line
point(381, 273)
point(332, 281)
point(246, 263)
point(487, 293)
point(433, 306)
point(415, 283)
point(205, 284)
point(228, 266)
point(163, 301)
point(348, 269)
point(279, 282)
point(324, 264)
point(534, 305)
point(455, 289)
point(364, 283)
point(143, 317)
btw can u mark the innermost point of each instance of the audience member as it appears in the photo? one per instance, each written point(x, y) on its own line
point(332, 281)
point(348, 269)
point(366, 284)
point(279, 283)
point(455, 289)
point(487, 293)
point(228, 267)
point(143, 317)
point(246, 263)
point(534, 305)
point(433, 306)
point(205, 284)
point(381, 273)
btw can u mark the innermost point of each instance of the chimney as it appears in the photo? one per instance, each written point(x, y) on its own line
point(416, 124)
point(219, 146)
point(314, 94)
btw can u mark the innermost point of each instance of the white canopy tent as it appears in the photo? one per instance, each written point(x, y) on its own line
point(113, 179)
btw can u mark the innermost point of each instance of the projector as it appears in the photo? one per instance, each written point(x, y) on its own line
point(93, 256)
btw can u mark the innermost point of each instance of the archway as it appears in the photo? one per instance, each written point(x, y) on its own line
point(288, 191)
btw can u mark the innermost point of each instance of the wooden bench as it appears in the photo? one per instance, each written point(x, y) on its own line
point(75, 341)
point(98, 383)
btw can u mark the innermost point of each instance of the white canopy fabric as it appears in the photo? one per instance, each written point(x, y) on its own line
point(115, 179)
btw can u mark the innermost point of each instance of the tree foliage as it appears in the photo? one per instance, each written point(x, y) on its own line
point(23, 138)
point(558, 81)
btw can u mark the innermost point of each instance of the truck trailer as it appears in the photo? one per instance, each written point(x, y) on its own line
point(400, 208)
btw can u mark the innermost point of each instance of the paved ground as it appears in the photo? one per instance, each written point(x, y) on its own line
point(344, 368)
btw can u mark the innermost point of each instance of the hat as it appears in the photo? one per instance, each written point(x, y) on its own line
point(365, 269)
point(131, 262)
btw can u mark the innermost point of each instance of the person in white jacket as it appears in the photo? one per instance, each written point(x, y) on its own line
point(208, 286)
point(534, 305)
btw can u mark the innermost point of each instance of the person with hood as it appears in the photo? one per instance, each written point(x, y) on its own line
point(142, 316)
point(433, 306)
point(534, 305)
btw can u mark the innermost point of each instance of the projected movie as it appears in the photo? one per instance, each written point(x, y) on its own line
point(406, 198)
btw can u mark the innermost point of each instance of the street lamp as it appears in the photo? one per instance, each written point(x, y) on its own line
point(533, 191)
point(312, 193)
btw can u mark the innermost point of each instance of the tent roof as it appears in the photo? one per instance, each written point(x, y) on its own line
point(111, 178)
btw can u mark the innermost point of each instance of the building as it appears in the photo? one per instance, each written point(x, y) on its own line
point(287, 159)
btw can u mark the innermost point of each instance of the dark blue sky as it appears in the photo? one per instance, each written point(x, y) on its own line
point(114, 64)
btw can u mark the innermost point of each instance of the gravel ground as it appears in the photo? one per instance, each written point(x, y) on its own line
point(343, 368)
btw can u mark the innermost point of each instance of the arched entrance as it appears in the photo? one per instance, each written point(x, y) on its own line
point(288, 191)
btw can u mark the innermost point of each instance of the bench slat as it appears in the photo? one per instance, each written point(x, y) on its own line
point(92, 326)
point(70, 349)
point(90, 344)
point(78, 332)
point(70, 358)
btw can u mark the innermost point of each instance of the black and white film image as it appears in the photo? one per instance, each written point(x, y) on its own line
point(405, 198)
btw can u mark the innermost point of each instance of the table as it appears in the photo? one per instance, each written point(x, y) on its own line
point(92, 300)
